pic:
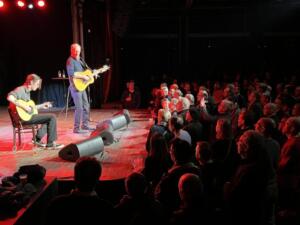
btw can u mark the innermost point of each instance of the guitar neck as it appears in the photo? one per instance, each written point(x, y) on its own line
point(39, 106)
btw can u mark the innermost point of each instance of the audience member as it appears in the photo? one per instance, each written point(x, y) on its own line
point(82, 205)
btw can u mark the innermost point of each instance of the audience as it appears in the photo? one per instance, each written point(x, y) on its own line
point(137, 207)
point(252, 191)
point(204, 162)
point(82, 205)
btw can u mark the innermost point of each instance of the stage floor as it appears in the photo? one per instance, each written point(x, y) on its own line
point(118, 160)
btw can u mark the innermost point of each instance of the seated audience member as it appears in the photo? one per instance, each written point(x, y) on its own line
point(137, 207)
point(217, 92)
point(228, 93)
point(192, 210)
point(173, 106)
point(131, 96)
point(186, 88)
point(161, 127)
point(182, 108)
point(270, 111)
point(176, 127)
point(296, 110)
point(224, 156)
point(265, 98)
point(241, 100)
point(254, 105)
point(208, 169)
point(230, 111)
point(194, 127)
point(252, 191)
point(191, 98)
point(158, 161)
point(182, 156)
point(296, 94)
point(245, 122)
point(289, 167)
point(266, 127)
point(82, 205)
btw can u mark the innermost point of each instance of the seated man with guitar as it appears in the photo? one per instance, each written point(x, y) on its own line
point(26, 111)
point(80, 76)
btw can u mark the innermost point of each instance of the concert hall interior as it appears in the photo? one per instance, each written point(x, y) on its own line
point(150, 111)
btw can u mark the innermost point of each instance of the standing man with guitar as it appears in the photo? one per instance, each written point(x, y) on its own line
point(80, 76)
point(80, 98)
point(24, 110)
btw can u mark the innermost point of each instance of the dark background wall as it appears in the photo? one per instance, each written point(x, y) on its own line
point(34, 41)
point(183, 39)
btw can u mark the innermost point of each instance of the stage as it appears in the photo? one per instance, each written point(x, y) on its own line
point(118, 159)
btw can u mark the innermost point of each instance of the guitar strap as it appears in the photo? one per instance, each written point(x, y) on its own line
point(85, 67)
point(84, 64)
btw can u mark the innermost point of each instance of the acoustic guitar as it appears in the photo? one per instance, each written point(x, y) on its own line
point(26, 116)
point(81, 84)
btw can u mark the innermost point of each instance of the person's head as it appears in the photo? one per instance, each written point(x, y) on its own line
point(75, 50)
point(165, 103)
point(297, 92)
point(265, 126)
point(190, 189)
point(228, 91)
point(183, 104)
point(202, 93)
point(245, 119)
point(175, 124)
point(223, 129)
point(87, 172)
point(187, 86)
point(181, 151)
point(158, 146)
point(265, 98)
point(203, 152)
point(173, 104)
point(164, 90)
point(33, 82)
point(296, 110)
point(177, 94)
point(192, 115)
point(292, 126)
point(174, 86)
point(253, 96)
point(251, 145)
point(270, 109)
point(225, 107)
point(163, 115)
point(136, 185)
point(131, 86)
point(191, 98)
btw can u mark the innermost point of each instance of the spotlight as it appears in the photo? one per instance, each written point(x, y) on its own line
point(30, 6)
point(20, 4)
point(41, 3)
point(1, 4)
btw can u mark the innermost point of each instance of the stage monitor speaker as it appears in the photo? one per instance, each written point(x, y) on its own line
point(88, 147)
point(105, 131)
point(120, 119)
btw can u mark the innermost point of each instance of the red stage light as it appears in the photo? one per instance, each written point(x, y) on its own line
point(1, 4)
point(20, 3)
point(41, 3)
